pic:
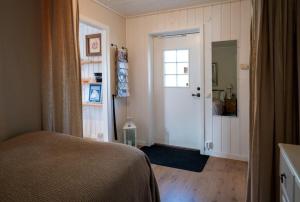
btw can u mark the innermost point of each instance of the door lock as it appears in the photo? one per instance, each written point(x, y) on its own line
point(196, 95)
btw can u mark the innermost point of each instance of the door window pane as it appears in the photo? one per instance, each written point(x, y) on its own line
point(170, 68)
point(170, 80)
point(183, 56)
point(183, 81)
point(170, 56)
point(176, 68)
point(182, 68)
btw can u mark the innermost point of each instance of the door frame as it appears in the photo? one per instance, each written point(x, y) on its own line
point(108, 128)
point(150, 70)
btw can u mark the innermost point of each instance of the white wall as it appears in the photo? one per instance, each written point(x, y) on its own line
point(20, 53)
point(224, 21)
point(117, 35)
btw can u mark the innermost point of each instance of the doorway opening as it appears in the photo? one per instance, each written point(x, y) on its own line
point(95, 81)
point(178, 90)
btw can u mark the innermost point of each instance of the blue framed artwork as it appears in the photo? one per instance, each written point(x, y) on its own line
point(95, 93)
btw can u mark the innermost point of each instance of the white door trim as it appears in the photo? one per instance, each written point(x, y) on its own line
point(107, 74)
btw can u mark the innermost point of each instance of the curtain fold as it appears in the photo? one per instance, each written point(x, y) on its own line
point(274, 106)
point(61, 79)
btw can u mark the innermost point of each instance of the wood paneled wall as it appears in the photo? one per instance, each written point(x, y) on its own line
point(223, 21)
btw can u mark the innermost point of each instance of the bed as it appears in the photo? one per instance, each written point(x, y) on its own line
point(45, 166)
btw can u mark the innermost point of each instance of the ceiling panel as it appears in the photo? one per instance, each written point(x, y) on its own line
point(139, 7)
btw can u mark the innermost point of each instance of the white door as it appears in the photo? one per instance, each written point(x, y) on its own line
point(179, 91)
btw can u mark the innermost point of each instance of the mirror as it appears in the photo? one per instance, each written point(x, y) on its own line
point(224, 78)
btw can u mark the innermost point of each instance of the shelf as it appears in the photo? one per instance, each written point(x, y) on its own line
point(86, 62)
point(92, 104)
point(87, 81)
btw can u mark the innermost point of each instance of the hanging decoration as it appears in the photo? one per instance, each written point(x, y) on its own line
point(122, 73)
point(122, 89)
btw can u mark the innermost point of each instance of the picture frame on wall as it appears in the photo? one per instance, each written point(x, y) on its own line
point(95, 93)
point(214, 74)
point(93, 45)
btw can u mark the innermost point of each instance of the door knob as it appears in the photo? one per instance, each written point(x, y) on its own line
point(196, 95)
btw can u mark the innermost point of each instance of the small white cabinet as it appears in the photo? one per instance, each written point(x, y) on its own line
point(289, 173)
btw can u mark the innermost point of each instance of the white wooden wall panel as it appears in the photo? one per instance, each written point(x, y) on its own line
point(170, 20)
point(245, 26)
point(227, 138)
point(234, 136)
point(244, 77)
point(160, 21)
point(244, 117)
point(208, 80)
point(175, 21)
point(216, 22)
point(224, 21)
point(149, 22)
point(235, 18)
point(199, 17)
point(226, 134)
point(192, 17)
point(183, 21)
point(217, 134)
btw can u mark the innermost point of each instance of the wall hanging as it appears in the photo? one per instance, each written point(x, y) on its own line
point(122, 88)
point(122, 72)
point(95, 93)
point(93, 45)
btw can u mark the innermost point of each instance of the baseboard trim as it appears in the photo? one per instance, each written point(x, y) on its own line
point(229, 156)
point(142, 143)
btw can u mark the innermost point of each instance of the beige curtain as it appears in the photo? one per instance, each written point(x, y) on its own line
point(274, 92)
point(61, 79)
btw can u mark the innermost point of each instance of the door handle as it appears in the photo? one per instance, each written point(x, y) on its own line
point(196, 95)
point(282, 178)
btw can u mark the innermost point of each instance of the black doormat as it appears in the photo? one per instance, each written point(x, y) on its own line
point(185, 159)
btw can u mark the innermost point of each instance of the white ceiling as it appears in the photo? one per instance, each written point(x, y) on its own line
point(139, 7)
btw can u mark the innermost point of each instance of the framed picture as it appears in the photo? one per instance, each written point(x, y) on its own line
point(93, 45)
point(214, 74)
point(95, 93)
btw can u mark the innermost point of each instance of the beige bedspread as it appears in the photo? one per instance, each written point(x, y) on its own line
point(45, 166)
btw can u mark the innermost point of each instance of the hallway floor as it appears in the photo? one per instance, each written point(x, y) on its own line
point(222, 180)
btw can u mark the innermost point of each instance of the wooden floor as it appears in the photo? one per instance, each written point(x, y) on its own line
point(222, 180)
